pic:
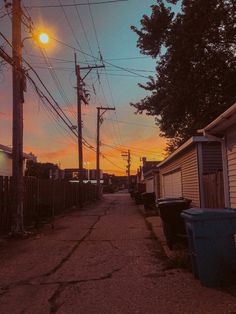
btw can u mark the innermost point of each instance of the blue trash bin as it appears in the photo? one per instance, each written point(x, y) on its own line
point(211, 236)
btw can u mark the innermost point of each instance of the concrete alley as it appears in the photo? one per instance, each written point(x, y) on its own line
point(101, 259)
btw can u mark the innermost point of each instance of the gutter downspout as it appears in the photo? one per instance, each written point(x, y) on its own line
point(225, 174)
point(225, 167)
point(200, 175)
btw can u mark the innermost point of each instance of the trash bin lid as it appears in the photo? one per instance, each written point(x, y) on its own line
point(173, 201)
point(208, 213)
point(163, 199)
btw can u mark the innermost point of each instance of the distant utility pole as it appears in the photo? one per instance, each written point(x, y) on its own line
point(100, 112)
point(128, 156)
point(81, 97)
point(18, 79)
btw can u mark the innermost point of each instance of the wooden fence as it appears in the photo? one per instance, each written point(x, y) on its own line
point(214, 190)
point(43, 199)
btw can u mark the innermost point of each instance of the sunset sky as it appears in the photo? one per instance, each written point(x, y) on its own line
point(104, 28)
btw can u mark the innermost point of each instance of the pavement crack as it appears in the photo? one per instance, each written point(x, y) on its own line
point(74, 248)
point(4, 289)
point(74, 282)
point(53, 301)
point(62, 285)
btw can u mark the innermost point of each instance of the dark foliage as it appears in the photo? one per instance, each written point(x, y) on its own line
point(196, 64)
point(40, 170)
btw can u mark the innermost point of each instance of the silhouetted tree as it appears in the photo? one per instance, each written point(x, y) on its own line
point(40, 170)
point(196, 64)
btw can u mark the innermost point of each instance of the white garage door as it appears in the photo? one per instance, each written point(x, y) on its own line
point(149, 186)
point(172, 184)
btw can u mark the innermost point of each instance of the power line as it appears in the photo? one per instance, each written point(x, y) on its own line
point(111, 162)
point(138, 124)
point(108, 59)
point(83, 28)
point(107, 79)
point(73, 4)
point(106, 62)
point(57, 109)
point(127, 58)
point(70, 26)
point(63, 117)
point(51, 115)
point(126, 122)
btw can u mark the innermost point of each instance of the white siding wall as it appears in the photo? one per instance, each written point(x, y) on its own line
point(149, 185)
point(157, 184)
point(188, 164)
point(231, 158)
point(5, 164)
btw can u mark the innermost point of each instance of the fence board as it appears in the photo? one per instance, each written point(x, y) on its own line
point(214, 190)
point(43, 199)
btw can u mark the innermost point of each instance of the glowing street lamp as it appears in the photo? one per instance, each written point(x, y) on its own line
point(43, 38)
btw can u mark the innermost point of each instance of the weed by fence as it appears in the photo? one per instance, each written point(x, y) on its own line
point(43, 199)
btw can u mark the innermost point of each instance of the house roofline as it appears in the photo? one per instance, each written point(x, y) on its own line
point(224, 117)
point(8, 150)
point(191, 141)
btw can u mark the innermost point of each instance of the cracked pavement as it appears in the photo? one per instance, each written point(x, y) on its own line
point(101, 259)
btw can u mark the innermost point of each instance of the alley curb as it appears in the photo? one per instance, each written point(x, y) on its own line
point(155, 225)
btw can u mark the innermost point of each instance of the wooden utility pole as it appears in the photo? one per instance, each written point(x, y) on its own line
point(128, 156)
point(81, 97)
point(99, 122)
point(128, 169)
point(79, 122)
point(18, 79)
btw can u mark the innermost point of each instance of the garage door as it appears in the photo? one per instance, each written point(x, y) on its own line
point(149, 186)
point(172, 184)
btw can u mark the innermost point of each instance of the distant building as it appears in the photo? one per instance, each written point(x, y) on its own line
point(148, 175)
point(87, 174)
point(6, 160)
point(93, 174)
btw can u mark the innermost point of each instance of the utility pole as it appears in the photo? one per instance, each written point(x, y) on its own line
point(100, 112)
point(128, 156)
point(81, 97)
point(128, 169)
point(18, 79)
point(79, 121)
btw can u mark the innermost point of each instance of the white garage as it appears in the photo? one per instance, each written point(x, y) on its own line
point(172, 184)
point(183, 173)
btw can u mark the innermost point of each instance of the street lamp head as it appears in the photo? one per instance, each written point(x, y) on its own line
point(43, 38)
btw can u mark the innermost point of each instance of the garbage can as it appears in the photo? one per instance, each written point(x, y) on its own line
point(212, 244)
point(138, 198)
point(149, 200)
point(173, 223)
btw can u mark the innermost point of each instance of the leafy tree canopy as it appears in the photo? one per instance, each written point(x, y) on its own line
point(195, 51)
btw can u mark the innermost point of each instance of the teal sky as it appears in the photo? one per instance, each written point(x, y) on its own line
point(113, 86)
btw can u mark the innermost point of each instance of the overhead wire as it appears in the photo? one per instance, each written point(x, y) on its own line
point(56, 106)
point(71, 28)
point(101, 58)
point(73, 4)
point(105, 61)
point(52, 117)
point(50, 67)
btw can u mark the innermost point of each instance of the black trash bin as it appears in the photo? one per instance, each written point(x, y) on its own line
point(138, 198)
point(149, 200)
point(173, 223)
